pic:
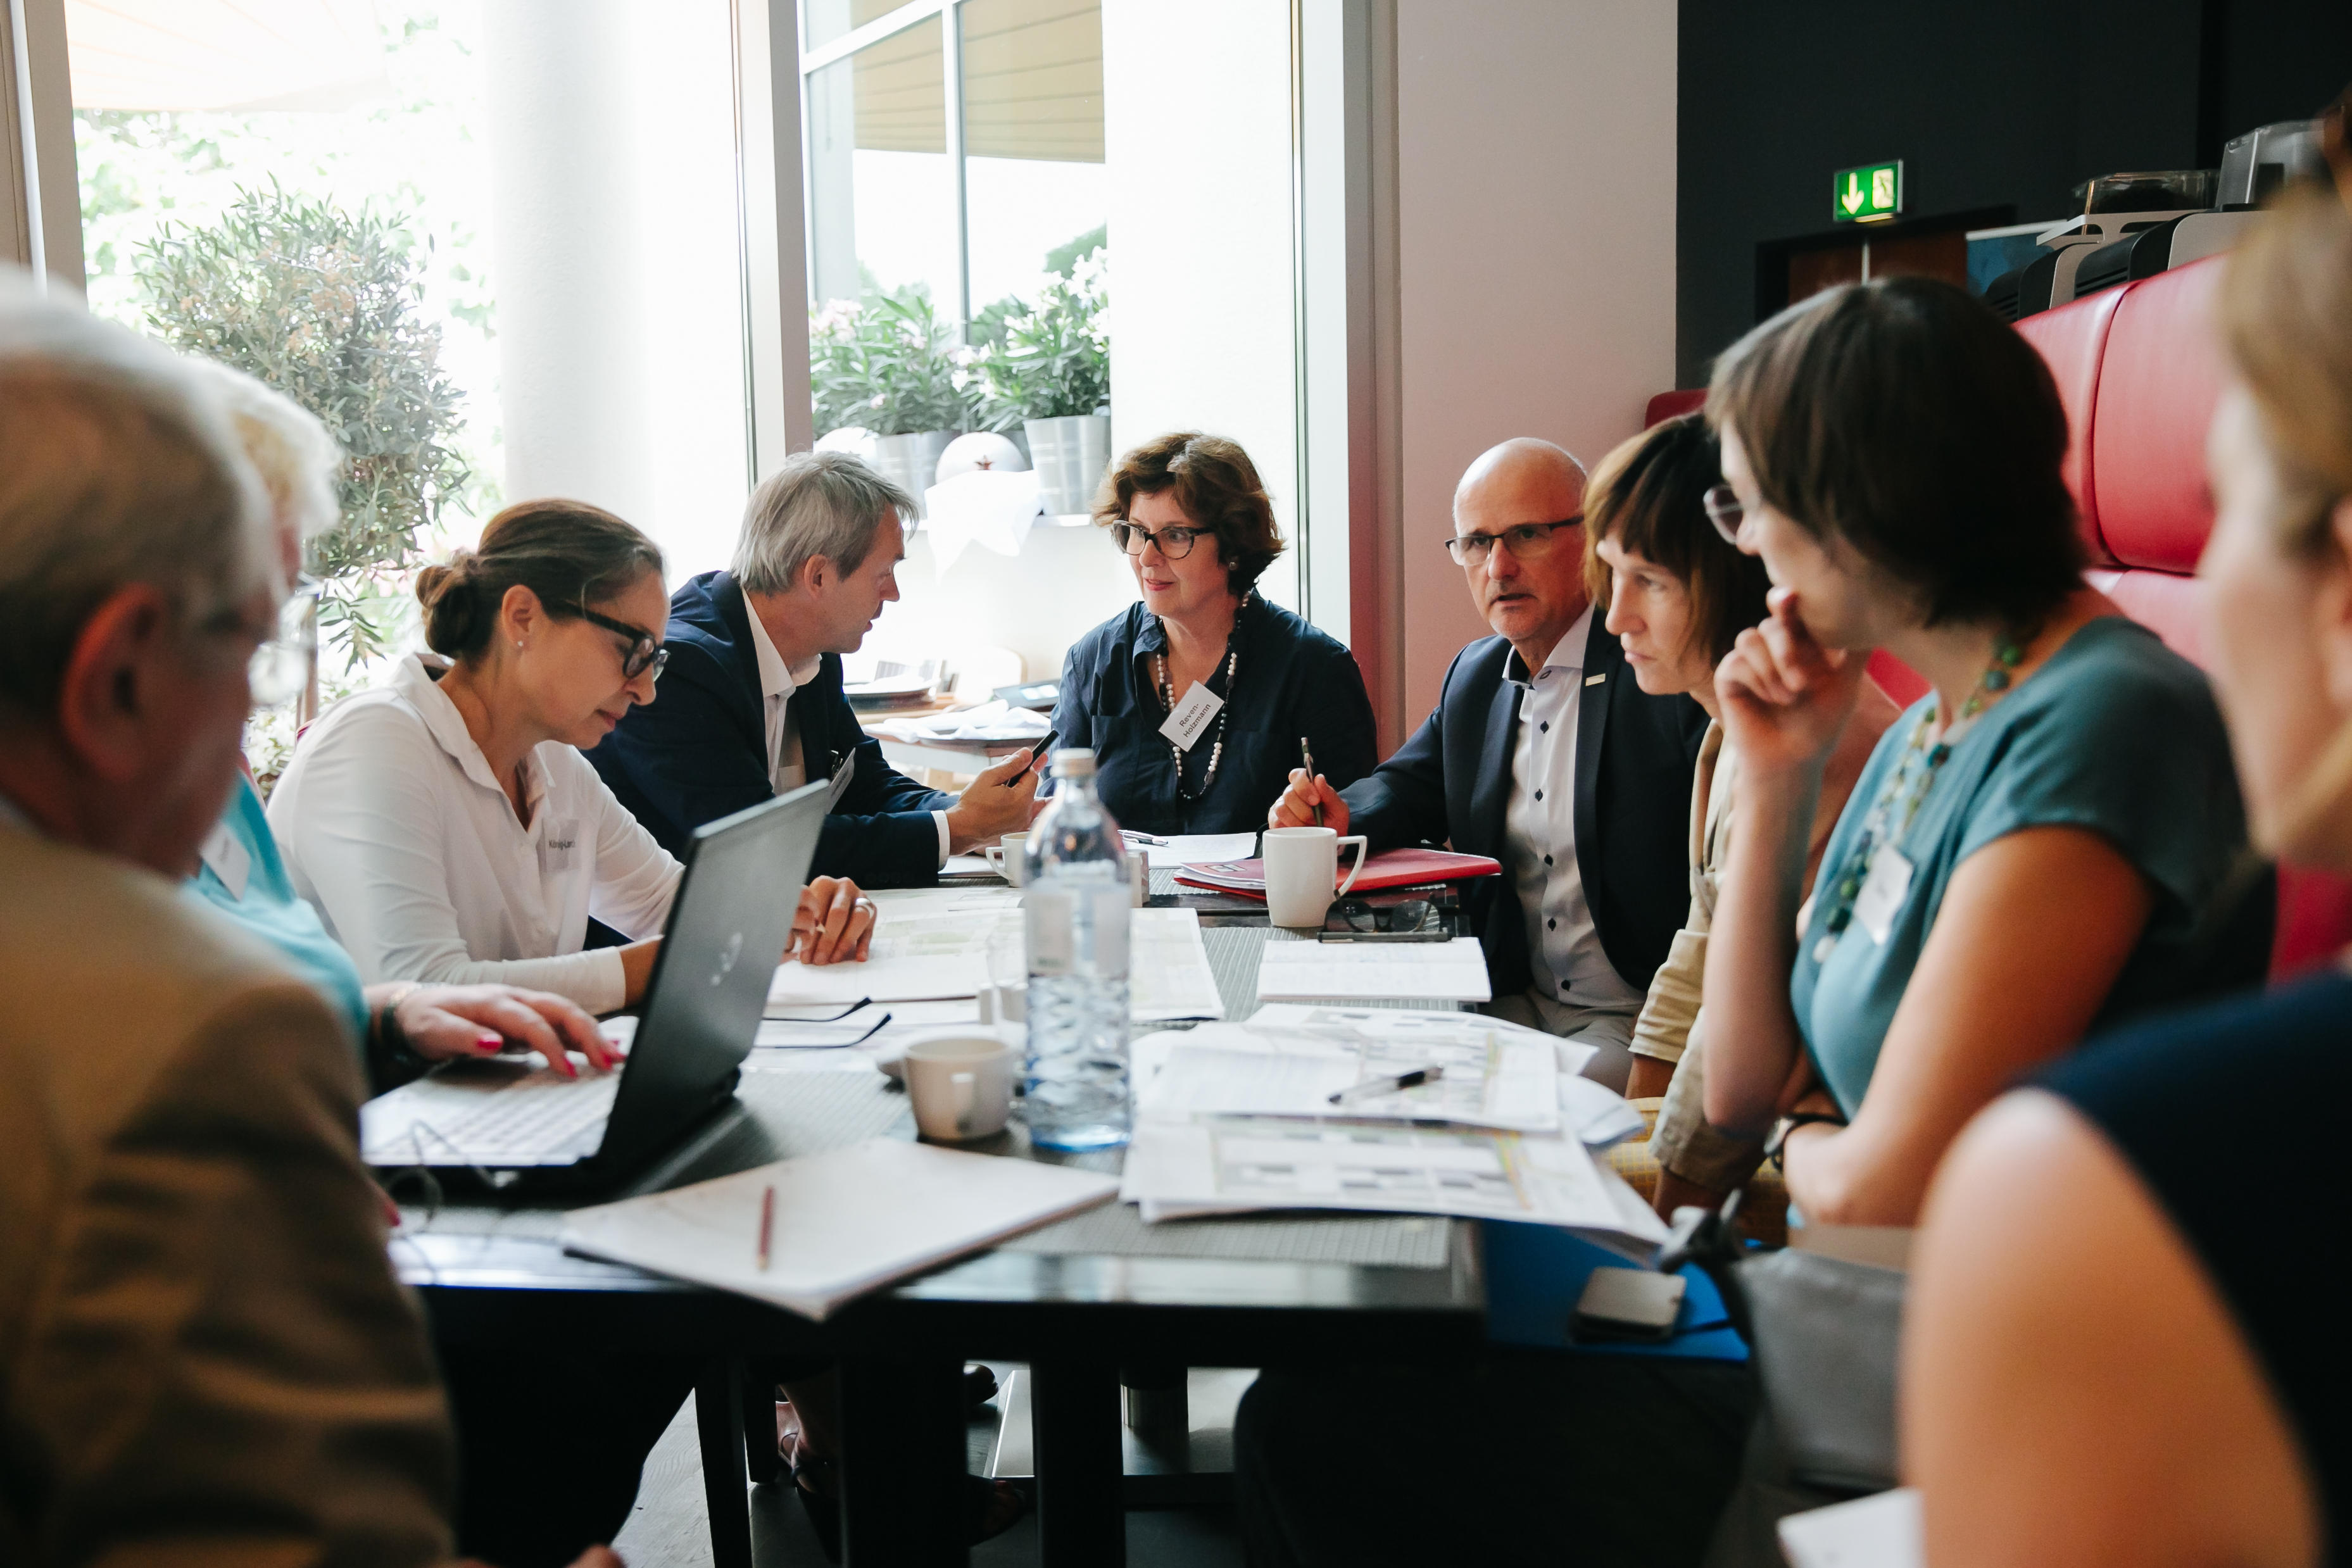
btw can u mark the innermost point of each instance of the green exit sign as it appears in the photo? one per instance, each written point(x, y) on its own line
point(1866, 194)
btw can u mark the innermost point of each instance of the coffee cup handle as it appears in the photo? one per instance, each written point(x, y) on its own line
point(995, 855)
point(1363, 851)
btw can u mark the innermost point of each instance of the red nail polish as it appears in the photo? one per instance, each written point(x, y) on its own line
point(488, 1044)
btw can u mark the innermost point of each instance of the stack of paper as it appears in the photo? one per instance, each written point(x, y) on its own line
point(1184, 849)
point(1452, 971)
point(844, 1222)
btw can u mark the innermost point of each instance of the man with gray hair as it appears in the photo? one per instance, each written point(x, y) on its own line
point(751, 703)
point(208, 1357)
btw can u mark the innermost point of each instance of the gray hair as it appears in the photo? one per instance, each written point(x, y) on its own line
point(817, 504)
point(116, 467)
point(291, 453)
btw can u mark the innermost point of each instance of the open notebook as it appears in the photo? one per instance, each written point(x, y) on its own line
point(846, 1221)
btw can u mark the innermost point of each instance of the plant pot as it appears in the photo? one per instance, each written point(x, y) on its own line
point(911, 462)
point(1070, 455)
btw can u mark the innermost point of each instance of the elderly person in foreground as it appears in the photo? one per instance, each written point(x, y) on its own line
point(208, 1359)
point(753, 703)
point(1197, 528)
point(2123, 1344)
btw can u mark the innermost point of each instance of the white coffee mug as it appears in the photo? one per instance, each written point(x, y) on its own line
point(1009, 858)
point(962, 1085)
point(1301, 865)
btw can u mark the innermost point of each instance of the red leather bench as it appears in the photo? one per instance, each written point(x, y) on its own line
point(2139, 369)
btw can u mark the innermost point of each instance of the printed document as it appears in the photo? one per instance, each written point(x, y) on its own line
point(844, 1222)
point(1191, 849)
point(1491, 1080)
point(1452, 971)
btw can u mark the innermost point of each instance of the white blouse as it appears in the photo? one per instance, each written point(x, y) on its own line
point(395, 827)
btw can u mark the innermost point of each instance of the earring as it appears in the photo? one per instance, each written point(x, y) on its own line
point(517, 644)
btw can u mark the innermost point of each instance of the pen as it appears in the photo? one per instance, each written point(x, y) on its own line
point(767, 1224)
point(1384, 936)
point(1308, 757)
point(1034, 752)
point(1373, 1087)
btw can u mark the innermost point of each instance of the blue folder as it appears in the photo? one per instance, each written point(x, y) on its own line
point(1536, 1273)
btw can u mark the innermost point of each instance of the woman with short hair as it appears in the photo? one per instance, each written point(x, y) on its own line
point(2031, 849)
point(445, 824)
point(1257, 683)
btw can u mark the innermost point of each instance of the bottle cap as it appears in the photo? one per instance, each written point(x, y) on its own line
point(1074, 762)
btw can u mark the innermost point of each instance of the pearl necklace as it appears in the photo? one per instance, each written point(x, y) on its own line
point(1217, 750)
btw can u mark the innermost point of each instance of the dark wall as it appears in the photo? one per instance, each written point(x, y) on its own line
point(1996, 102)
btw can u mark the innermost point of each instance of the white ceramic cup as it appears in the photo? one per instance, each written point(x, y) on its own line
point(961, 1086)
point(1138, 877)
point(1008, 858)
point(1301, 865)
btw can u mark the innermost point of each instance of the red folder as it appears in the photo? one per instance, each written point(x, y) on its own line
point(1392, 868)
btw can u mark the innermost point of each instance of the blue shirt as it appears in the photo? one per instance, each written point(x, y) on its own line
point(273, 911)
point(2114, 732)
point(1289, 680)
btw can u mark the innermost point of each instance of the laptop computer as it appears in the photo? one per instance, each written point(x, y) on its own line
point(514, 1121)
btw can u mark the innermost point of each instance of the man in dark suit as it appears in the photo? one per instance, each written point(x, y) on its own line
point(751, 703)
point(1545, 754)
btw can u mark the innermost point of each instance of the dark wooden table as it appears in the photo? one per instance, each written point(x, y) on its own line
point(1074, 1301)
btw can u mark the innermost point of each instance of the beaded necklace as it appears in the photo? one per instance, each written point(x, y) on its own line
point(1906, 788)
point(1167, 684)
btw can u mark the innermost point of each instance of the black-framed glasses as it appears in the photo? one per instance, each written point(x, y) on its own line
point(644, 653)
point(1525, 541)
point(1175, 541)
point(1724, 510)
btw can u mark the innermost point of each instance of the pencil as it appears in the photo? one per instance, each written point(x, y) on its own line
point(767, 1224)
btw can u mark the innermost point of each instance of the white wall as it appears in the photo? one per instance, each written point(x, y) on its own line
point(1196, 137)
point(1535, 240)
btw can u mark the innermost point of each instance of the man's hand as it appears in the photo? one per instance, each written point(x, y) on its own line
point(445, 1021)
point(834, 924)
point(1297, 806)
point(998, 803)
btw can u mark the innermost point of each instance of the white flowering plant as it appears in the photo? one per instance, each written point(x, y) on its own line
point(885, 363)
point(1053, 356)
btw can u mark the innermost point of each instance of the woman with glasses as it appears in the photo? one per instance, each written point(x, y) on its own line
point(1677, 591)
point(445, 824)
point(2034, 848)
point(1199, 700)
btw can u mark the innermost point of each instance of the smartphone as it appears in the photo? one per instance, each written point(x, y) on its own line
point(1035, 752)
point(1628, 1304)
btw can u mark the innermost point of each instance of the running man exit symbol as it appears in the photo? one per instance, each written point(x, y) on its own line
point(1869, 194)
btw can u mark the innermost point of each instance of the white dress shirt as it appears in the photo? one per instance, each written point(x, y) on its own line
point(395, 827)
point(1571, 973)
point(787, 761)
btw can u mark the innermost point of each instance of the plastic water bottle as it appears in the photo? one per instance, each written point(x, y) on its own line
point(1077, 913)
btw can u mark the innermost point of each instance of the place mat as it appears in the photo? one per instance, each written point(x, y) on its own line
point(1372, 1241)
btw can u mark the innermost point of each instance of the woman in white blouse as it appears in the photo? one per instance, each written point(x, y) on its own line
point(447, 826)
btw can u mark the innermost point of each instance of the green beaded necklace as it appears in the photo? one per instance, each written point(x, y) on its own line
point(1906, 788)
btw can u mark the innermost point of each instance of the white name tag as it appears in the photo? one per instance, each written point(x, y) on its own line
point(841, 777)
point(1191, 717)
point(229, 859)
point(1883, 892)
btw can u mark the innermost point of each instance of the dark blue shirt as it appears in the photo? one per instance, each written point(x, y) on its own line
point(1288, 681)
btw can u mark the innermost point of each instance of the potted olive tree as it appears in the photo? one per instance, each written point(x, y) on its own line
point(884, 364)
point(1049, 376)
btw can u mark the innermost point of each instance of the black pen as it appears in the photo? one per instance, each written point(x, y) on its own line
point(1034, 752)
point(1308, 757)
point(1372, 1088)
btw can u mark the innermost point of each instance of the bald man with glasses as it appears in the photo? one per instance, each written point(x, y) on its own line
point(1546, 755)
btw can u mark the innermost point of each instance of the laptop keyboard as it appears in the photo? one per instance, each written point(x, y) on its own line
point(538, 1120)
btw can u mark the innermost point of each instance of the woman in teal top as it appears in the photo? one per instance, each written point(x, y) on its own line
point(2035, 847)
point(243, 877)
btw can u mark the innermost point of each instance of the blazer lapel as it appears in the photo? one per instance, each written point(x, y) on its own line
point(1604, 669)
point(735, 613)
point(1491, 795)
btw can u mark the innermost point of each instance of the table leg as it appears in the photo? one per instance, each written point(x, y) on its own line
point(1081, 1510)
point(903, 1462)
point(719, 1421)
point(761, 1458)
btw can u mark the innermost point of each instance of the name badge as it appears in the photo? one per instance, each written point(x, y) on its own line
point(1191, 717)
point(841, 777)
point(1883, 892)
point(228, 860)
point(560, 850)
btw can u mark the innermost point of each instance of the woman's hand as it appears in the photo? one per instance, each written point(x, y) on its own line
point(1785, 697)
point(1297, 806)
point(441, 1023)
point(834, 924)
